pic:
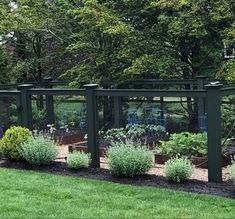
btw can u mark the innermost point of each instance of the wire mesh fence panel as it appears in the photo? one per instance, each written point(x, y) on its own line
point(8, 113)
point(228, 125)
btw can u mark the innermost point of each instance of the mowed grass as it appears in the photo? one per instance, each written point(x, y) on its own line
point(27, 194)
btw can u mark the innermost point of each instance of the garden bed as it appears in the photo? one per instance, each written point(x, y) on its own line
point(82, 146)
point(225, 189)
point(72, 136)
point(200, 162)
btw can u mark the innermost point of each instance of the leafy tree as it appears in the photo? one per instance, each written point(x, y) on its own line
point(118, 39)
point(4, 66)
point(149, 39)
point(40, 34)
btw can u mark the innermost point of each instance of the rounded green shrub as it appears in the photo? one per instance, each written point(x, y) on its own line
point(232, 172)
point(39, 150)
point(178, 169)
point(12, 141)
point(78, 160)
point(129, 159)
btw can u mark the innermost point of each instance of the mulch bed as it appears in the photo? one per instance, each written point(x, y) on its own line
point(225, 189)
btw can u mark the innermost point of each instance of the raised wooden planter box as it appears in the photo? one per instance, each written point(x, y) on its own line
point(200, 162)
point(69, 138)
point(82, 146)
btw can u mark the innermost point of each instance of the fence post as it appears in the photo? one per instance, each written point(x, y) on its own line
point(49, 103)
point(25, 107)
point(92, 124)
point(200, 101)
point(214, 132)
point(118, 116)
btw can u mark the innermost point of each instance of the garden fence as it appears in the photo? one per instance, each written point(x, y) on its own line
point(208, 99)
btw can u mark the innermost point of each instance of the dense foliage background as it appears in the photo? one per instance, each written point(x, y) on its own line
point(90, 40)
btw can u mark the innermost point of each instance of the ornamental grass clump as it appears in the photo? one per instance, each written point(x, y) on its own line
point(178, 169)
point(78, 160)
point(40, 150)
point(129, 159)
point(12, 141)
point(232, 173)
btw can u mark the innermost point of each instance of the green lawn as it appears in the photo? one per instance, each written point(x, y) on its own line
point(38, 195)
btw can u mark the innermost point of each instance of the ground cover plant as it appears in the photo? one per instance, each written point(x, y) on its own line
point(40, 195)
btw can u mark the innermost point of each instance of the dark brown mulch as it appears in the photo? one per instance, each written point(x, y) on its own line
point(225, 189)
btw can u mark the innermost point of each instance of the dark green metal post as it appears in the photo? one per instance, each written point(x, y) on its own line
point(118, 117)
point(200, 101)
point(25, 108)
point(92, 124)
point(49, 103)
point(214, 132)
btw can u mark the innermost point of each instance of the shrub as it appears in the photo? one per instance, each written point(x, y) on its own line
point(1, 153)
point(12, 141)
point(232, 172)
point(39, 150)
point(129, 159)
point(137, 130)
point(115, 134)
point(186, 144)
point(178, 169)
point(155, 129)
point(78, 160)
point(133, 132)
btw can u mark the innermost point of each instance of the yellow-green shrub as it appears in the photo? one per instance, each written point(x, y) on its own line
point(12, 141)
point(1, 149)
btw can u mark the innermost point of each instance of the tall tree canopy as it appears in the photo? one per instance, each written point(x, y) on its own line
point(90, 40)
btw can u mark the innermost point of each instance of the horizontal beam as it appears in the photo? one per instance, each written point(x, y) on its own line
point(154, 82)
point(228, 91)
point(57, 92)
point(6, 93)
point(150, 93)
point(36, 84)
